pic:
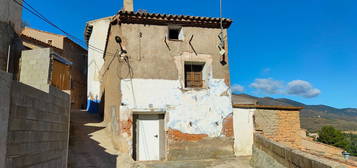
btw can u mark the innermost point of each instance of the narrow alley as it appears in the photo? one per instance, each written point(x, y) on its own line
point(88, 144)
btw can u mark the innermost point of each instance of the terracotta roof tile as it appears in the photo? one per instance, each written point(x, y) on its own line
point(164, 19)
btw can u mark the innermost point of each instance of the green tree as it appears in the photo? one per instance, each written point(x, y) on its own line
point(352, 146)
point(330, 135)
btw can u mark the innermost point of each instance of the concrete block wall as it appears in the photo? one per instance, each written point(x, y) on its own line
point(38, 126)
point(5, 86)
point(35, 68)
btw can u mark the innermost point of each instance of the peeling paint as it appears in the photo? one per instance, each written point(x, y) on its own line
point(126, 126)
point(192, 112)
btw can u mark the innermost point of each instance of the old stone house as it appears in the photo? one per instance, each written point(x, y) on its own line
point(165, 85)
point(69, 57)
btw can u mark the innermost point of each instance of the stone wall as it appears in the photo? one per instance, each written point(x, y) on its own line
point(270, 154)
point(280, 124)
point(38, 126)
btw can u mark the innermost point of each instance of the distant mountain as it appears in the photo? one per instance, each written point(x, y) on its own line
point(313, 117)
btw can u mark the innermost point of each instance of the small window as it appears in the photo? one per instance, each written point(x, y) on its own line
point(193, 74)
point(175, 33)
point(49, 42)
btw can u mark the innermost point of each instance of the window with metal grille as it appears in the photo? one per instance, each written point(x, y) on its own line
point(193, 75)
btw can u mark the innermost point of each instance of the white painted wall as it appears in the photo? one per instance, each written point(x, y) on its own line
point(11, 12)
point(243, 126)
point(98, 40)
point(205, 108)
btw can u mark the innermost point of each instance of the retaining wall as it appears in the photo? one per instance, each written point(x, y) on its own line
point(36, 125)
point(270, 154)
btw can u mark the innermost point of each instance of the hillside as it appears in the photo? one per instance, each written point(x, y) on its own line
point(313, 117)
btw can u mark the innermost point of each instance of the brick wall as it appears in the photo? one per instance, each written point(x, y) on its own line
point(38, 124)
point(281, 125)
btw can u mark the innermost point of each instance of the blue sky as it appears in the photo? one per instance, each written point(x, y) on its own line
point(304, 50)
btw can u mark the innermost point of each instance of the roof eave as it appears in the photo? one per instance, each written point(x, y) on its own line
point(164, 19)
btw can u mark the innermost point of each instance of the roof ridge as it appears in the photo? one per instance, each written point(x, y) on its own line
point(162, 14)
point(163, 19)
point(43, 43)
point(44, 31)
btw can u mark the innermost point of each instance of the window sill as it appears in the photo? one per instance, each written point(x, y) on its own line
point(194, 89)
point(175, 40)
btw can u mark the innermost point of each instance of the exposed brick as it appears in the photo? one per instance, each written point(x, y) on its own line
point(227, 128)
point(177, 135)
point(126, 126)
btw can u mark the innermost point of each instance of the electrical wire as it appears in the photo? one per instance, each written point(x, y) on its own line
point(38, 14)
point(35, 12)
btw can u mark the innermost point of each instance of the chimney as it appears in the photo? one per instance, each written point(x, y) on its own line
point(128, 5)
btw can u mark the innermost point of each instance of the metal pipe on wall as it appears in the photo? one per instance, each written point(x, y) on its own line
point(8, 58)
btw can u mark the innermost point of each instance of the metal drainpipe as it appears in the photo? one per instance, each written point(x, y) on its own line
point(8, 58)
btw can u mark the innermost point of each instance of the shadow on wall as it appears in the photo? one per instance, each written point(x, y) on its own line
point(87, 139)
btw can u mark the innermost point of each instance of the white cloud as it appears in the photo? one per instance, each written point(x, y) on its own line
point(295, 87)
point(302, 88)
point(268, 86)
point(237, 88)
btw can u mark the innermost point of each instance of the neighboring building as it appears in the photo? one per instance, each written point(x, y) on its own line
point(166, 87)
point(244, 99)
point(96, 36)
point(10, 29)
point(42, 67)
point(64, 48)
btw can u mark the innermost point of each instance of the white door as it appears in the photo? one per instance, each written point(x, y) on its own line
point(149, 139)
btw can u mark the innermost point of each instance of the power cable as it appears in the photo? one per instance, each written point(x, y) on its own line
point(35, 12)
point(38, 14)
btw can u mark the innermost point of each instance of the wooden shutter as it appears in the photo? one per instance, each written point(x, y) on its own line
point(60, 75)
point(194, 79)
